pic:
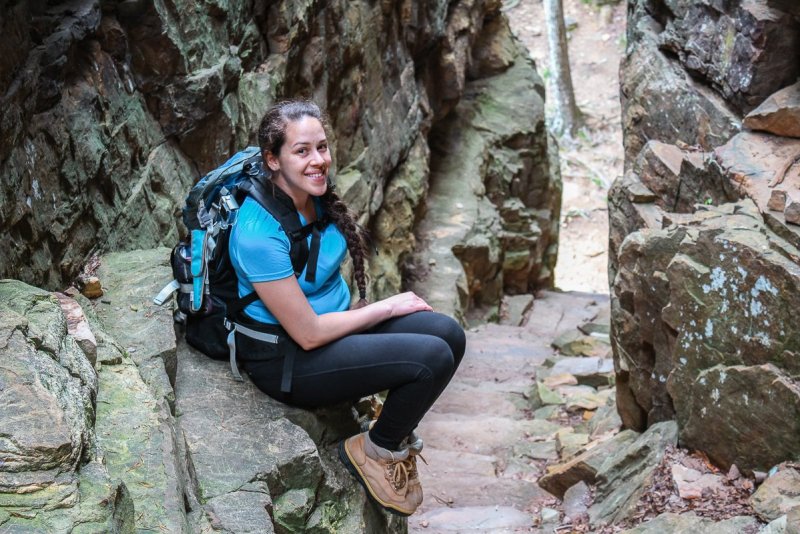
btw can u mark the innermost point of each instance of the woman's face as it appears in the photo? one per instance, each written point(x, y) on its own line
point(301, 167)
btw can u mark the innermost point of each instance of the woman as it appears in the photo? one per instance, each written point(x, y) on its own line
point(340, 353)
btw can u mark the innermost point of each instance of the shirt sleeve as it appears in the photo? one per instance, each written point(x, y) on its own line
point(262, 249)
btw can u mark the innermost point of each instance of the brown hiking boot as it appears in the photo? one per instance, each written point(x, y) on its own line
point(388, 476)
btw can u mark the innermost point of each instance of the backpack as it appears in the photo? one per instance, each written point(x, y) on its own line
point(205, 284)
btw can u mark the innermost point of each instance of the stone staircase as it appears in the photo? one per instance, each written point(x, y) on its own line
point(484, 446)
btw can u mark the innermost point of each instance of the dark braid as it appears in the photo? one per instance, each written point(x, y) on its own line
point(271, 136)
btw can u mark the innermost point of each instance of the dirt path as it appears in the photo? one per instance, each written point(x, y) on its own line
point(591, 162)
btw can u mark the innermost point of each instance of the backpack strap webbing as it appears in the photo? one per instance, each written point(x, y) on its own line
point(280, 206)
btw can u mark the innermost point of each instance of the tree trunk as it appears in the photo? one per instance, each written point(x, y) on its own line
point(567, 117)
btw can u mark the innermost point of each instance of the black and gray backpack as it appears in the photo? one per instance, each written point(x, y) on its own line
point(205, 283)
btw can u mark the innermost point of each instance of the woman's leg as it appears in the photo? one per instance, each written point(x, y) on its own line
point(414, 367)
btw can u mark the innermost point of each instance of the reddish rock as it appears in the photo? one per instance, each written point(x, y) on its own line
point(78, 326)
point(779, 114)
point(777, 200)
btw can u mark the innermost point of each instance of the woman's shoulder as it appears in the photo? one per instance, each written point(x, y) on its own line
point(252, 215)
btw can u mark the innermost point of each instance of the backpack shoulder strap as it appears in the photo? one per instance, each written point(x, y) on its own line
point(280, 206)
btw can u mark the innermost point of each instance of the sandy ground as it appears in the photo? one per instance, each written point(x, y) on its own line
point(591, 161)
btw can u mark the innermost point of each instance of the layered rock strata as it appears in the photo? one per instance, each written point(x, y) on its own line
point(705, 263)
point(154, 436)
point(112, 110)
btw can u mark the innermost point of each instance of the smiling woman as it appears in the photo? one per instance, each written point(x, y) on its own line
point(329, 352)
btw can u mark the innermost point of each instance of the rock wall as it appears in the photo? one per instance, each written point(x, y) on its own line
point(109, 110)
point(704, 239)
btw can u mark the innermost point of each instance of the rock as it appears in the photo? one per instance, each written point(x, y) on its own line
point(689, 523)
point(577, 500)
point(755, 162)
point(692, 484)
point(542, 396)
point(791, 212)
point(739, 50)
point(777, 526)
point(726, 258)
point(659, 99)
point(569, 443)
point(53, 476)
point(584, 400)
point(549, 515)
point(638, 193)
point(627, 471)
point(590, 371)
point(514, 309)
point(584, 467)
point(546, 412)
point(680, 178)
point(574, 343)
point(779, 114)
point(144, 330)
point(471, 518)
point(560, 379)
point(779, 494)
point(90, 287)
point(78, 326)
point(499, 241)
point(777, 200)
point(136, 432)
point(536, 450)
point(605, 420)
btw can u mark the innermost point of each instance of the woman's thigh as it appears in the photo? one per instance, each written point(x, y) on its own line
point(430, 323)
point(358, 365)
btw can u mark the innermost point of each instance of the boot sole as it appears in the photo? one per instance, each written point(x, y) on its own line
point(348, 463)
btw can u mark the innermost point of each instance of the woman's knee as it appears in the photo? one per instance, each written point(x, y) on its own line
point(453, 334)
point(437, 357)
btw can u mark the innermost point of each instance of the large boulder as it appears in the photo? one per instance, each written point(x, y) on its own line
point(702, 321)
point(52, 475)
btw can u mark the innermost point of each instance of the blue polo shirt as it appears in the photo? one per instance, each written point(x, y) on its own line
point(259, 250)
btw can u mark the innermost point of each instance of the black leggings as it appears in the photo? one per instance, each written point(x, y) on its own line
point(413, 356)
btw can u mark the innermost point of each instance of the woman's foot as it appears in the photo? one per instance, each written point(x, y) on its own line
point(390, 477)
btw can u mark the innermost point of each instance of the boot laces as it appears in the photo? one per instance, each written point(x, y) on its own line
point(399, 472)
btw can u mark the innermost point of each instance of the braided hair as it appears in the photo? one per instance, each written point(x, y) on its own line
point(271, 136)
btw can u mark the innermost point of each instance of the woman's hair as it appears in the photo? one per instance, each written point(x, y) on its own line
point(272, 135)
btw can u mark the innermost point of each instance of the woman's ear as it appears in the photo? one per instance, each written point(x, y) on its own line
point(272, 161)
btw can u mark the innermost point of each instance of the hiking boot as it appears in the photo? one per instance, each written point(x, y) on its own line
point(388, 476)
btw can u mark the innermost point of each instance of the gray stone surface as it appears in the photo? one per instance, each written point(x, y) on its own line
point(778, 494)
point(701, 311)
point(689, 523)
point(626, 472)
point(52, 476)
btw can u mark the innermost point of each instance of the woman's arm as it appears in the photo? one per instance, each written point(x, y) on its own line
point(289, 305)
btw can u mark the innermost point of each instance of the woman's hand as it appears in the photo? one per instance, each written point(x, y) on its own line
point(405, 303)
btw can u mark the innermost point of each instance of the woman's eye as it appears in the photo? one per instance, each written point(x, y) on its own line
point(323, 148)
point(302, 151)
